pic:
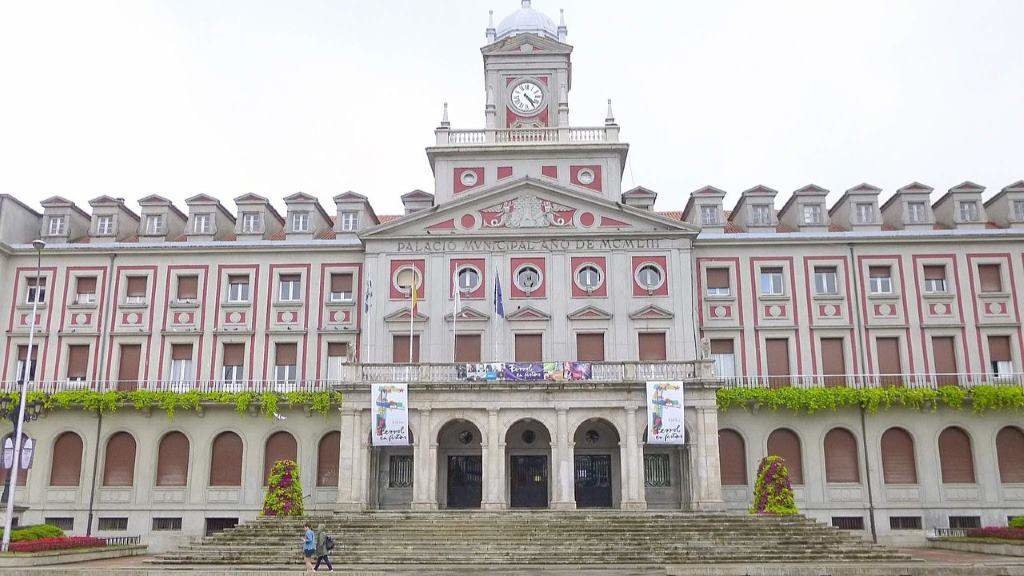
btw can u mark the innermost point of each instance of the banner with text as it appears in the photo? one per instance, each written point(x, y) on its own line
point(389, 405)
point(525, 371)
point(665, 413)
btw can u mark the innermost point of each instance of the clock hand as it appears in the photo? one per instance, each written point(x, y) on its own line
point(527, 96)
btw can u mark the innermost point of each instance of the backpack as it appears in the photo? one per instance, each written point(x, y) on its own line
point(329, 543)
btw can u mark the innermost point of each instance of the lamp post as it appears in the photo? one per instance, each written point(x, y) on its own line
point(10, 411)
point(19, 418)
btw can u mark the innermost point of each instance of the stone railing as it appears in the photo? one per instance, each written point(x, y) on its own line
point(557, 135)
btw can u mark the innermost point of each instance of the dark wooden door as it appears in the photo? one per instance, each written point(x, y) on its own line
point(465, 481)
point(529, 481)
point(593, 481)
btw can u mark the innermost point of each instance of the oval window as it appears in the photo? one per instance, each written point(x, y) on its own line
point(468, 279)
point(589, 277)
point(650, 277)
point(528, 278)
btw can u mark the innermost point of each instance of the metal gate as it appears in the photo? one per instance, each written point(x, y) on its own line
point(593, 481)
point(465, 481)
point(529, 487)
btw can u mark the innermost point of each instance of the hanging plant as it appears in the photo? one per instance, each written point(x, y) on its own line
point(773, 493)
point(284, 491)
point(981, 398)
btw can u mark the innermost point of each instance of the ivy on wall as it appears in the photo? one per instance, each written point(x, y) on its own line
point(983, 398)
point(171, 402)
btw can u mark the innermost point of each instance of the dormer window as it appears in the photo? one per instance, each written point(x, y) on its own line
point(104, 225)
point(251, 222)
point(709, 215)
point(201, 224)
point(154, 224)
point(1018, 210)
point(812, 214)
point(969, 211)
point(349, 221)
point(55, 226)
point(865, 212)
point(300, 222)
point(761, 215)
point(917, 212)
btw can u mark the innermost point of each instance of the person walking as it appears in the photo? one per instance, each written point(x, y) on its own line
point(324, 543)
point(308, 546)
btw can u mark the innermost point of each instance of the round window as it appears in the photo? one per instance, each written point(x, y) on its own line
point(585, 176)
point(529, 436)
point(468, 279)
point(589, 277)
point(593, 436)
point(465, 437)
point(650, 276)
point(468, 178)
point(528, 278)
point(406, 278)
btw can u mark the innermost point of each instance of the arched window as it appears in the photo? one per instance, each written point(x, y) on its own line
point(280, 446)
point(66, 467)
point(327, 460)
point(841, 456)
point(172, 460)
point(898, 463)
point(955, 456)
point(1010, 452)
point(119, 462)
point(22, 474)
point(732, 458)
point(226, 460)
point(785, 443)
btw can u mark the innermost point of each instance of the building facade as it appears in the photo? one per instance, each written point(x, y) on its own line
point(528, 211)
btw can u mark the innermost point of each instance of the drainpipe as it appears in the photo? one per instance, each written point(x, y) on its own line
point(107, 318)
point(858, 330)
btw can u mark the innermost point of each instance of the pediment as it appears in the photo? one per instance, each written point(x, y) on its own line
point(1017, 186)
point(201, 199)
point(300, 197)
point(250, 198)
point(402, 315)
point(514, 45)
point(56, 201)
point(651, 312)
point(916, 187)
point(967, 186)
point(529, 205)
point(154, 200)
point(528, 313)
point(105, 201)
point(467, 314)
point(810, 190)
point(589, 313)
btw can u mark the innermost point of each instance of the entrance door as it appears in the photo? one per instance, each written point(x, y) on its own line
point(529, 481)
point(465, 487)
point(593, 481)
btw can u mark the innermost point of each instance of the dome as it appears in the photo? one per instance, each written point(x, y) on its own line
point(526, 19)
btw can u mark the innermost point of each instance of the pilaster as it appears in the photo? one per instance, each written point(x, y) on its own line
point(492, 455)
point(563, 464)
point(709, 480)
point(424, 468)
point(348, 463)
point(632, 457)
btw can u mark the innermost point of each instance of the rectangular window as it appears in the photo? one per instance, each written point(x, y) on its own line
point(22, 359)
point(652, 347)
point(188, 288)
point(1000, 360)
point(155, 224)
point(890, 364)
point(349, 221)
point(761, 215)
point(969, 211)
point(300, 222)
point(166, 524)
point(590, 347)
point(771, 281)
point(709, 215)
point(238, 288)
point(880, 279)
point(825, 280)
point(400, 349)
point(724, 357)
point(337, 357)
point(935, 279)
point(529, 348)
point(1018, 210)
point(718, 281)
point(865, 212)
point(991, 278)
point(965, 522)
point(289, 288)
point(917, 213)
point(777, 360)
point(201, 224)
point(341, 287)
point(128, 366)
point(35, 290)
point(66, 524)
point(904, 522)
point(135, 292)
point(78, 362)
point(285, 363)
point(848, 522)
point(181, 363)
point(400, 471)
point(657, 471)
point(55, 226)
point(252, 222)
point(85, 290)
point(812, 213)
point(104, 225)
point(234, 363)
point(467, 347)
point(113, 524)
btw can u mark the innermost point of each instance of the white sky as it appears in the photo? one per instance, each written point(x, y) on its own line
point(180, 97)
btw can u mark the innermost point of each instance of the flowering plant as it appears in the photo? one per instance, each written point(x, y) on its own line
point(62, 543)
point(284, 492)
point(773, 494)
point(997, 532)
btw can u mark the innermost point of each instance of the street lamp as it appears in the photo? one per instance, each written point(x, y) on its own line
point(19, 418)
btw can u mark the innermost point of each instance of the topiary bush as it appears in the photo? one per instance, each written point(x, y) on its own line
point(284, 493)
point(35, 532)
point(773, 494)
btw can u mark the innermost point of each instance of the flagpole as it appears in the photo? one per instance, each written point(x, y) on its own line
point(455, 322)
point(412, 315)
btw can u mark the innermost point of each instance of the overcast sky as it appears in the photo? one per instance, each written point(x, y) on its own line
point(180, 97)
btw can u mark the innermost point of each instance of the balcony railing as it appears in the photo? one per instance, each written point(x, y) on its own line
point(596, 134)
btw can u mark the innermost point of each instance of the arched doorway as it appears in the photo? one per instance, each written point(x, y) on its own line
point(666, 475)
point(391, 473)
point(528, 453)
point(459, 465)
point(596, 469)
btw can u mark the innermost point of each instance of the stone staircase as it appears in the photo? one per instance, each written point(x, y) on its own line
point(538, 538)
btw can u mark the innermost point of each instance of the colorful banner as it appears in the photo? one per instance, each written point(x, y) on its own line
point(389, 405)
point(525, 371)
point(480, 372)
point(665, 413)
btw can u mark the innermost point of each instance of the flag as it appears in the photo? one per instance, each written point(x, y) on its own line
point(457, 297)
point(412, 295)
point(368, 299)
point(499, 306)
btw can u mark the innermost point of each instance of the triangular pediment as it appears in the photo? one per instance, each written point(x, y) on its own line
point(589, 313)
point(250, 198)
point(467, 314)
point(651, 312)
point(916, 187)
point(527, 206)
point(514, 45)
point(967, 186)
point(402, 315)
point(201, 199)
point(527, 313)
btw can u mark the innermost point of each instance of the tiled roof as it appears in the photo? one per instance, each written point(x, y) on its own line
point(672, 214)
point(385, 218)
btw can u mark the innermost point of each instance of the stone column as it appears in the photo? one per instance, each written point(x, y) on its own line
point(709, 481)
point(563, 468)
point(492, 454)
point(424, 465)
point(631, 454)
point(348, 463)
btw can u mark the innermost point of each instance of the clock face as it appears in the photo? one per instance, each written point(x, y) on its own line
point(527, 98)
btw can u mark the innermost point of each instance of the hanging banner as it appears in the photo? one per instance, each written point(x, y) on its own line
point(665, 413)
point(389, 406)
point(524, 371)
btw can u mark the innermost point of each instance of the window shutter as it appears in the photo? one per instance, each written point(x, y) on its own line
point(328, 453)
point(955, 457)
point(467, 348)
point(128, 366)
point(934, 272)
point(341, 282)
point(718, 277)
point(66, 469)
point(898, 464)
point(722, 346)
point(889, 363)
point(85, 285)
point(136, 285)
point(944, 352)
point(234, 354)
point(777, 352)
point(786, 444)
point(280, 446)
point(284, 354)
point(226, 460)
point(238, 279)
point(78, 361)
point(999, 348)
point(841, 456)
point(23, 352)
point(652, 347)
point(400, 349)
point(991, 279)
point(590, 347)
point(181, 352)
point(289, 278)
point(878, 271)
point(188, 287)
point(119, 462)
point(833, 363)
point(1010, 453)
point(529, 348)
point(335, 349)
point(732, 458)
point(172, 460)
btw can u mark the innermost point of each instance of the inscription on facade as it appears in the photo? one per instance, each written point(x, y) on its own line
point(526, 245)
